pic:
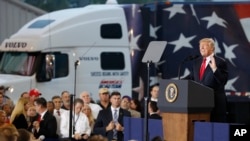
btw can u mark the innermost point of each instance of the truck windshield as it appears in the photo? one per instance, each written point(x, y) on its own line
point(20, 63)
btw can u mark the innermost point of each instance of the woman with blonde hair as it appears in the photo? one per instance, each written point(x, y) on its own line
point(19, 114)
point(88, 112)
point(32, 116)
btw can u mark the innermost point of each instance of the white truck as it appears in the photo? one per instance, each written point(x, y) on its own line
point(80, 49)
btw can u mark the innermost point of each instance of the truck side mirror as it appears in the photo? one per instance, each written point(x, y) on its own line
point(49, 69)
point(46, 69)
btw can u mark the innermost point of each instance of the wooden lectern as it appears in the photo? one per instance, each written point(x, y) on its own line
point(182, 102)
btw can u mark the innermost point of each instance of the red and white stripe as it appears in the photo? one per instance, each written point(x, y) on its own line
point(243, 11)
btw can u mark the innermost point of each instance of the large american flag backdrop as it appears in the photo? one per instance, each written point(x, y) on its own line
point(182, 26)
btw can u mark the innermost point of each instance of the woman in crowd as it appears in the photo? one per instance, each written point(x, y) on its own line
point(125, 104)
point(88, 112)
point(80, 121)
point(135, 105)
point(2, 118)
point(32, 116)
point(19, 114)
point(8, 110)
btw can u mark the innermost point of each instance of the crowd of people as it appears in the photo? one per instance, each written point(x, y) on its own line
point(38, 118)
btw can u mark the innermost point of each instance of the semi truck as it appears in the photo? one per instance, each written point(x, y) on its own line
point(84, 49)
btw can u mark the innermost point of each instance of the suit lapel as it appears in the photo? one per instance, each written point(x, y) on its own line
point(197, 68)
point(208, 70)
point(110, 115)
point(120, 115)
point(45, 115)
point(43, 119)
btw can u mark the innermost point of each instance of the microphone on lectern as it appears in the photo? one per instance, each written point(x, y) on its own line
point(188, 58)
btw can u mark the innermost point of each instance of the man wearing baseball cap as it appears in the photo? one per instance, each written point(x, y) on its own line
point(104, 98)
point(34, 94)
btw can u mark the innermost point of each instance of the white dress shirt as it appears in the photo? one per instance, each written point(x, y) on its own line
point(113, 111)
point(95, 108)
point(154, 99)
point(80, 121)
point(58, 119)
point(42, 114)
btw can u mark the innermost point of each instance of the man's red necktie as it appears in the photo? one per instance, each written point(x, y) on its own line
point(39, 118)
point(202, 69)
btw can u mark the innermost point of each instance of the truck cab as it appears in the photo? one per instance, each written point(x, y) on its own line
point(79, 49)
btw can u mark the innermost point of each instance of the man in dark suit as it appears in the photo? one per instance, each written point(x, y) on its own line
point(154, 94)
point(211, 71)
point(109, 121)
point(46, 124)
point(153, 110)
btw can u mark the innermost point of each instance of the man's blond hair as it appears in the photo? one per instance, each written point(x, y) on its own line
point(210, 41)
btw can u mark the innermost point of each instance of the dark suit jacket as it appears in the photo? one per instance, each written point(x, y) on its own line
point(217, 81)
point(143, 106)
point(155, 116)
point(48, 126)
point(104, 118)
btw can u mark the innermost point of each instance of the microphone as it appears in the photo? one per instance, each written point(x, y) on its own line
point(41, 138)
point(77, 62)
point(188, 58)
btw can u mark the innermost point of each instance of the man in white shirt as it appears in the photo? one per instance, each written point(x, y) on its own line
point(81, 129)
point(58, 111)
point(85, 96)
